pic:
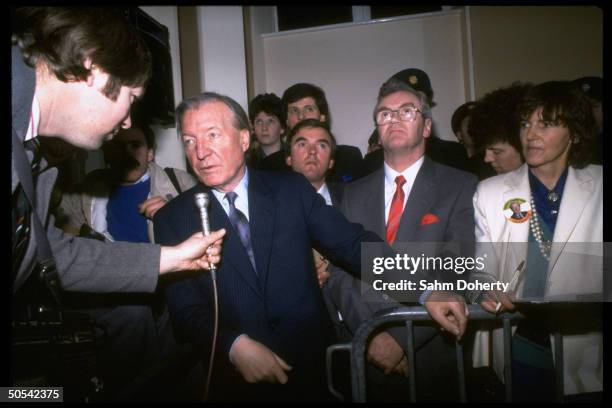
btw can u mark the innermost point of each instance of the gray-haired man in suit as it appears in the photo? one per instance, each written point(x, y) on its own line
point(414, 199)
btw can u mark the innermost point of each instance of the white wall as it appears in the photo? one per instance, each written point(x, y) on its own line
point(262, 21)
point(170, 151)
point(350, 62)
point(222, 62)
point(222, 55)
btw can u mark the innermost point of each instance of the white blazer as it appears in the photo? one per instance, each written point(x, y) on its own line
point(574, 268)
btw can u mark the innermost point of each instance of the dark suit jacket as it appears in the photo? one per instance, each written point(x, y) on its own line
point(478, 166)
point(336, 192)
point(281, 306)
point(348, 164)
point(338, 287)
point(275, 161)
point(447, 152)
point(439, 190)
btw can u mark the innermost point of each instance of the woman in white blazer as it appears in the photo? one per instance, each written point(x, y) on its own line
point(559, 238)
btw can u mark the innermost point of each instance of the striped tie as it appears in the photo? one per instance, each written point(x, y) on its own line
point(397, 207)
point(241, 224)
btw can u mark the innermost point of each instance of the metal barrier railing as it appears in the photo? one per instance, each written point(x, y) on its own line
point(357, 350)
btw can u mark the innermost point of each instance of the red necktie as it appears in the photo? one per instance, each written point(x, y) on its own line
point(397, 207)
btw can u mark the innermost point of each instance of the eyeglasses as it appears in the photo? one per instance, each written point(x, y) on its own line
point(405, 114)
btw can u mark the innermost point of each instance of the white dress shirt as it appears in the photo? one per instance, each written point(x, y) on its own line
point(409, 174)
point(242, 200)
point(324, 192)
point(34, 120)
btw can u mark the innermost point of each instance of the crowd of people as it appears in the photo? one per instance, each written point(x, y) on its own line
point(290, 210)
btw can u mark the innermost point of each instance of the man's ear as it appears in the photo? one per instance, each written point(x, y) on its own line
point(323, 118)
point(331, 164)
point(88, 64)
point(288, 161)
point(427, 128)
point(245, 139)
point(150, 155)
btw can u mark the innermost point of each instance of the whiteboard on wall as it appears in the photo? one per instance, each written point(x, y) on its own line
point(350, 62)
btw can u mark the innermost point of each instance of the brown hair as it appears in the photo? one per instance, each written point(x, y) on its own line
point(495, 117)
point(311, 123)
point(64, 37)
point(564, 104)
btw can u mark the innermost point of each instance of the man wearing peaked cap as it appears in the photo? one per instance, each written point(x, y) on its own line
point(411, 198)
point(442, 151)
point(593, 88)
point(418, 80)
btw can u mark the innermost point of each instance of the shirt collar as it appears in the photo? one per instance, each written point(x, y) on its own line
point(540, 190)
point(262, 154)
point(242, 189)
point(409, 173)
point(547, 210)
point(34, 120)
point(144, 178)
point(324, 192)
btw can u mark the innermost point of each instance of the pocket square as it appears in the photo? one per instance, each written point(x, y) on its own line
point(429, 219)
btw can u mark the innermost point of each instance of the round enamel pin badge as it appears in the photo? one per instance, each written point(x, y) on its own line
point(517, 210)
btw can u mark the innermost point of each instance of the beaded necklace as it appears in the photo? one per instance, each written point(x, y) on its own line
point(534, 223)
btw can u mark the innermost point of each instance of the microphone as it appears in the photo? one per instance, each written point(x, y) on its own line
point(202, 201)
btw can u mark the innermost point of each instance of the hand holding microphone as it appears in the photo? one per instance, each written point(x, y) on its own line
point(195, 253)
point(202, 201)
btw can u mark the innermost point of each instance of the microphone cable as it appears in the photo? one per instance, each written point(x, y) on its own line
point(213, 275)
point(201, 201)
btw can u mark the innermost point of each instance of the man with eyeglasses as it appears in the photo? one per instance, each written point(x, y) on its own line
point(439, 150)
point(414, 199)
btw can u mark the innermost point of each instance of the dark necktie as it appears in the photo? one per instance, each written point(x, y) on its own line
point(241, 224)
point(397, 207)
point(21, 208)
point(33, 145)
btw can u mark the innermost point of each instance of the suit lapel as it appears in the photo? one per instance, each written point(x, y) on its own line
point(516, 185)
point(576, 193)
point(579, 187)
point(234, 254)
point(336, 191)
point(262, 214)
point(420, 200)
point(374, 205)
